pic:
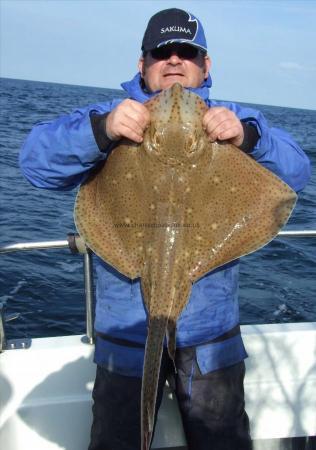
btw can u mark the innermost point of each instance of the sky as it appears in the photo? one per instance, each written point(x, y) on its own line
point(262, 51)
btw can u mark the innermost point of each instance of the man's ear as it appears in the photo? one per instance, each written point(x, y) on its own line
point(207, 66)
point(141, 66)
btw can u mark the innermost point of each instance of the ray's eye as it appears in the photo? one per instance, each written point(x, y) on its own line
point(191, 143)
point(156, 140)
point(153, 141)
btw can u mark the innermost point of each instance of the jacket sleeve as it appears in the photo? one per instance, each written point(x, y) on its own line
point(58, 154)
point(275, 148)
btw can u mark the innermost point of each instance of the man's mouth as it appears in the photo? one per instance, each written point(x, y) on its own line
point(173, 75)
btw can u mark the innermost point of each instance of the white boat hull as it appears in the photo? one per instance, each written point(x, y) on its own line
point(45, 391)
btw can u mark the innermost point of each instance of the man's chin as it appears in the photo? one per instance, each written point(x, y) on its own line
point(171, 80)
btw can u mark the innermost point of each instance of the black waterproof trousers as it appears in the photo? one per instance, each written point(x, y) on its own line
point(211, 406)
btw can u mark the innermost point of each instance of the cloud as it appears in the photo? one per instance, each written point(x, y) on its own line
point(295, 66)
point(291, 65)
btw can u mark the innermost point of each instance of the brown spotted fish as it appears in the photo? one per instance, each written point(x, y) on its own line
point(170, 210)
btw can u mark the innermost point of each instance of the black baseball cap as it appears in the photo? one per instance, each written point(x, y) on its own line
point(173, 25)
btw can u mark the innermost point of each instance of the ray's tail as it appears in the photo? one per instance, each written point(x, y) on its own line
point(152, 364)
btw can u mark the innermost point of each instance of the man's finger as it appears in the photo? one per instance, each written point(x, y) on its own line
point(129, 115)
point(214, 114)
point(131, 134)
point(138, 112)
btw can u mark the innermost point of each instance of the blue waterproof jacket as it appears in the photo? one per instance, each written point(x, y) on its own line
point(59, 154)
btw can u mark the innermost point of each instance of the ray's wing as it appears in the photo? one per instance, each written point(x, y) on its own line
point(111, 208)
point(237, 205)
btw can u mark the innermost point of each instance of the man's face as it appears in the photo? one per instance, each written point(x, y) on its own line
point(161, 74)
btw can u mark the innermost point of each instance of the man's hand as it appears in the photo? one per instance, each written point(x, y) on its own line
point(129, 119)
point(222, 124)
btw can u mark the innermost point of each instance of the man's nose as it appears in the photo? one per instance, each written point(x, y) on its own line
point(174, 58)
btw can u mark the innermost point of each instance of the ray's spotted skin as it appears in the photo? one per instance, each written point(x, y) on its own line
point(170, 210)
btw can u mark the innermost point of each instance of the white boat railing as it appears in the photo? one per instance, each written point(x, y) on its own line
point(76, 245)
point(24, 246)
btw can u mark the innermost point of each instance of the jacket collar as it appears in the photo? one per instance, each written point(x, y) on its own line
point(135, 91)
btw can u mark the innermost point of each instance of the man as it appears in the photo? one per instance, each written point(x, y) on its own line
point(210, 353)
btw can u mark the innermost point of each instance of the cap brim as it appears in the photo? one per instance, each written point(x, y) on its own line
point(180, 41)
